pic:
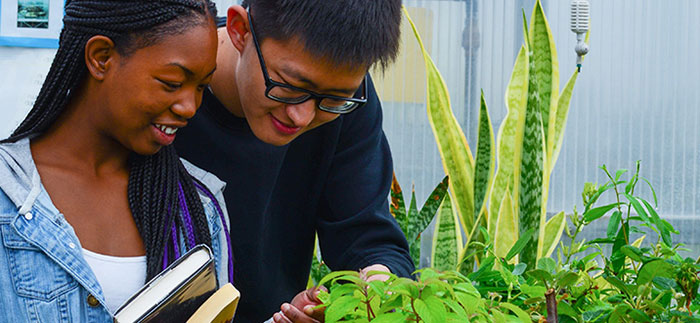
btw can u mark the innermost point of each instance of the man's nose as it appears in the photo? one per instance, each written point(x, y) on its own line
point(303, 113)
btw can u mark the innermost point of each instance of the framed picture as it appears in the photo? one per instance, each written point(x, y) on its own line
point(31, 23)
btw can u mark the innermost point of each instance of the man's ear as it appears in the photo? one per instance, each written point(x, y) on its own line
point(237, 26)
point(99, 56)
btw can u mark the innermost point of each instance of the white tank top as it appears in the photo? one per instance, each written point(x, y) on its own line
point(120, 277)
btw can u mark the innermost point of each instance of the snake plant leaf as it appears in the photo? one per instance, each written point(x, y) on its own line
point(414, 252)
point(418, 221)
point(431, 205)
point(552, 234)
point(526, 32)
point(510, 138)
point(398, 207)
point(457, 159)
point(546, 67)
point(562, 114)
point(485, 158)
point(412, 218)
point(506, 233)
point(531, 191)
point(447, 240)
point(413, 238)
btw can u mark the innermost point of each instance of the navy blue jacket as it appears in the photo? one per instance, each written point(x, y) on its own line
point(334, 179)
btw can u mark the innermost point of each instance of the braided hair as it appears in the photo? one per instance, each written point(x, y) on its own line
point(162, 195)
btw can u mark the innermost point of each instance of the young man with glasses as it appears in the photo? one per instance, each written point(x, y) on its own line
point(292, 124)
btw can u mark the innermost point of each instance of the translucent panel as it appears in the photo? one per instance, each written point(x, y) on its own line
point(635, 99)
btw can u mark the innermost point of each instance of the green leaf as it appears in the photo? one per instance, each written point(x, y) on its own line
point(547, 264)
point(621, 239)
point(552, 234)
point(633, 252)
point(665, 283)
point(545, 67)
point(452, 144)
point(506, 232)
point(338, 291)
point(595, 213)
point(431, 205)
point(398, 207)
point(337, 274)
point(566, 279)
point(617, 283)
point(485, 158)
point(519, 269)
point(638, 208)
point(663, 230)
point(497, 316)
point(614, 223)
point(522, 315)
point(340, 307)
point(564, 308)
point(520, 244)
point(430, 310)
point(447, 239)
point(412, 218)
point(638, 315)
point(390, 317)
point(541, 275)
point(536, 291)
point(653, 192)
point(454, 306)
point(619, 173)
point(654, 268)
point(530, 200)
point(510, 138)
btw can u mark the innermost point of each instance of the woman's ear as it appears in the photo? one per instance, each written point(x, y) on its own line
point(237, 26)
point(99, 55)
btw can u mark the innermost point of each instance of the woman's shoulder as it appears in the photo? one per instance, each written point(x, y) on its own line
point(213, 183)
point(17, 171)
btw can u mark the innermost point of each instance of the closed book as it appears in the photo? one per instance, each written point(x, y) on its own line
point(219, 308)
point(174, 294)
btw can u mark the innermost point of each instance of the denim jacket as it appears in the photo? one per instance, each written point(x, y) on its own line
point(43, 275)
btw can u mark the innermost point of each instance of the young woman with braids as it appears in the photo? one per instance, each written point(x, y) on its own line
point(93, 199)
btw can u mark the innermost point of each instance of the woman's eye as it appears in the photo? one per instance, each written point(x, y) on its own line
point(201, 87)
point(171, 85)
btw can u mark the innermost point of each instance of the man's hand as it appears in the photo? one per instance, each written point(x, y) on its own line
point(377, 267)
point(301, 310)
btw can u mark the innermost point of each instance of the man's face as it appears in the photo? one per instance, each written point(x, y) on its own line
point(288, 62)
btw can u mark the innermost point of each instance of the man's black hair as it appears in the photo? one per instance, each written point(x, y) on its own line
point(348, 33)
point(162, 195)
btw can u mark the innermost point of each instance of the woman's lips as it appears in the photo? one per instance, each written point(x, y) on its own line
point(162, 137)
point(283, 128)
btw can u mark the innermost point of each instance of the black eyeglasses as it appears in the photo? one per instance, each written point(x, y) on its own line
point(288, 94)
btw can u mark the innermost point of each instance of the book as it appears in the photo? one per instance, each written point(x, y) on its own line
point(176, 293)
point(219, 308)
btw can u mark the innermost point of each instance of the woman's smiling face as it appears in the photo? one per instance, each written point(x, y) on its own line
point(153, 91)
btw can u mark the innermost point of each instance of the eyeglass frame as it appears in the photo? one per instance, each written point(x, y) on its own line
point(270, 84)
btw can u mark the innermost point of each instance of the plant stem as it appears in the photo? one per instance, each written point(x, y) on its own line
point(619, 208)
point(551, 297)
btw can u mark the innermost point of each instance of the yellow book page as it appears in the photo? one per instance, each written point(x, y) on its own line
point(219, 308)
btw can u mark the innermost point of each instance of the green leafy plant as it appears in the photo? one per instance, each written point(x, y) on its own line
point(631, 282)
point(512, 198)
point(435, 297)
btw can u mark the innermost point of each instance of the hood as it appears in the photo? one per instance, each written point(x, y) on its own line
point(19, 178)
